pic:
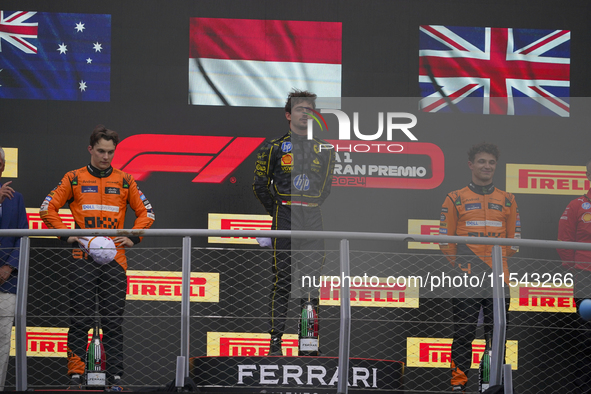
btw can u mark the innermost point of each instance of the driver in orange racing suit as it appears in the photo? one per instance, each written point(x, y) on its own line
point(98, 195)
point(477, 210)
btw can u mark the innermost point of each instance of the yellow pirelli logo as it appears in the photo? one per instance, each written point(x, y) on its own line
point(11, 167)
point(36, 223)
point(45, 341)
point(436, 352)
point(224, 221)
point(402, 292)
point(166, 286)
point(247, 344)
point(423, 227)
point(546, 179)
point(547, 298)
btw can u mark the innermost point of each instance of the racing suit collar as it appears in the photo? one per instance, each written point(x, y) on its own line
point(99, 173)
point(297, 136)
point(488, 189)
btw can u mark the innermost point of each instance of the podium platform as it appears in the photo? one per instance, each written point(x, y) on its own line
point(281, 374)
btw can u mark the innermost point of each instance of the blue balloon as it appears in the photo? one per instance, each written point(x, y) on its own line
point(585, 309)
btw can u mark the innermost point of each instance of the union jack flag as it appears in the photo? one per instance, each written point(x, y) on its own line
point(14, 29)
point(55, 56)
point(494, 70)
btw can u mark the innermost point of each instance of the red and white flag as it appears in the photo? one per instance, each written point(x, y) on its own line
point(255, 63)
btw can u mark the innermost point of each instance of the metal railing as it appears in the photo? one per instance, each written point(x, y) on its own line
point(345, 307)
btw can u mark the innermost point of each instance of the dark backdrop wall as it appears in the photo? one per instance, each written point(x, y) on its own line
point(380, 41)
point(149, 87)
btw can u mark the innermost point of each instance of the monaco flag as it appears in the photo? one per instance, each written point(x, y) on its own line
point(255, 63)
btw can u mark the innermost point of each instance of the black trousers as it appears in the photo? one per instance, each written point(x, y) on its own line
point(109, 282)
point(293, 258)
point(466, 305)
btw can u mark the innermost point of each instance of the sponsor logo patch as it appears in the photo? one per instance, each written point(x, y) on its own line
point(98, 207)
point(496, 207)
point(112, 190)
point(301, 182)
point(287, 160)
point(89, 189)
point(286, 147)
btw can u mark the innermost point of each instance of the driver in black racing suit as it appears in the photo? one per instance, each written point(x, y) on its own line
point(293, 177)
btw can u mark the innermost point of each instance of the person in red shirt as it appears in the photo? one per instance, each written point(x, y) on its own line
point(575, 226)
point(98, 195)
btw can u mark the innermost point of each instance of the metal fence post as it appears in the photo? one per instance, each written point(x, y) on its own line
point(345, 322)
point(500, 318)
point(508, 383)
point(21, 315)
point(185, 302)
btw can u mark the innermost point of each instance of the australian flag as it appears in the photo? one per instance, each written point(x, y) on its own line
point(55, 56)
point(494, 70)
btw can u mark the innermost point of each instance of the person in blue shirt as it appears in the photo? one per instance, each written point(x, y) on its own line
point(12, 216)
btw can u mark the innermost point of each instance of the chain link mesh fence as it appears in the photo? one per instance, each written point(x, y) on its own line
point(394, 318)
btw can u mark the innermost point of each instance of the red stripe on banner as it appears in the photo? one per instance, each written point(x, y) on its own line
point(266, 40)
point(557, 34)
point(443, 37)
point(22, 30)
point(550, 98)
point(26, 44)
point(16, 15)
point(454, 95)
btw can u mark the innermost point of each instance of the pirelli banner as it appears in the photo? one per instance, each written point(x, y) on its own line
point(423, 227)
point(224, 221)
point(386, 293)
point(36, 223)
point(548, 298)
point(247, 344)
point(11, 167)
point(166, 286)
point(436, 352)
point(45, 341)
point(547, 179)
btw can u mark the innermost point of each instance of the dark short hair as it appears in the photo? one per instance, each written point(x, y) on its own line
point(483, 147)
point(298, 96)
point(101, 132)
point(588, 164)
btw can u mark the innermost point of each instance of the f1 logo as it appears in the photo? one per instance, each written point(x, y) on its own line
point(212, 158)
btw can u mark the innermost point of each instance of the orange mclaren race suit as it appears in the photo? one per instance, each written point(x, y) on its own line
point(97, 199)
point(475, 211)
point(293, 177)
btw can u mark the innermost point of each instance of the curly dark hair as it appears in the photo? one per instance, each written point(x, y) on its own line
point(483, 147)
point(297, 96)
point(101, 131)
